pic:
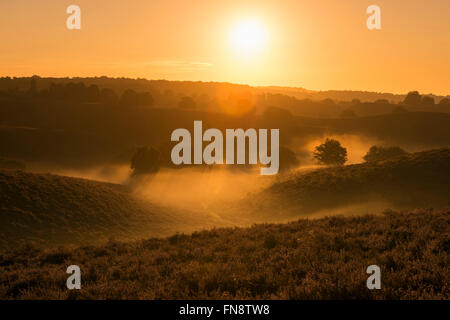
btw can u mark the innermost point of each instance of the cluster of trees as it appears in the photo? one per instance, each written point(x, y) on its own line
point(80, 93)
point(148, 160)
point(377, 153)
point(217, 97)
point(414, 98)
point(331, 152)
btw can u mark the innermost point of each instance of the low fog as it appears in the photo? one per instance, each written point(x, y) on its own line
point(225, 196)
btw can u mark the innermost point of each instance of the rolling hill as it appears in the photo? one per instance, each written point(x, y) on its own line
point(50, 210)
point(47, 209)
point(415, 180)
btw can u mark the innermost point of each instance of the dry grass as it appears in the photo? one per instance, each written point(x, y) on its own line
point(308, 259)
point(52, 210)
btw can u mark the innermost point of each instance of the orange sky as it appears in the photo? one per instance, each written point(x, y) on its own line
point(321, 44)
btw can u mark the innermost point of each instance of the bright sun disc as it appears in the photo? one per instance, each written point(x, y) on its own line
point(248, 37)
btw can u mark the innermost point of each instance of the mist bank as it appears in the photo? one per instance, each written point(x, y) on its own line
point(48, 209)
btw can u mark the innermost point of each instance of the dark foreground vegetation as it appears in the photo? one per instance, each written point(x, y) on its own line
point(308, 259)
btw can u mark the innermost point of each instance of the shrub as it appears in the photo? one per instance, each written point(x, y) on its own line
point(377, 153)
point(330, 153)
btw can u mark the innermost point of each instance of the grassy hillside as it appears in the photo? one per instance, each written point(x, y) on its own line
point(308, 259)
point(416, 180)
point(51, 210)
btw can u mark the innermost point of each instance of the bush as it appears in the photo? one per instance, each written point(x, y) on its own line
point(445, 101)
point(413, 98)
point(427, 101)
point(330, 153)
point(377, 153)
point(187, 103)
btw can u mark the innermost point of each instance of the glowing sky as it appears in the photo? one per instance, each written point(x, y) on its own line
point(321, 44)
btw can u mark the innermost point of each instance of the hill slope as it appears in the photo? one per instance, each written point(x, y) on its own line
point(50, 209)
point(415, 180)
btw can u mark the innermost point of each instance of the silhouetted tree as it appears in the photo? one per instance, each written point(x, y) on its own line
point(187, 103)
point(108, 96)
point(33, 85)
point(382, 101)
point(413, 98)
point(129, 98)
point(145, 99)
point(145, 161)
point(445, 101)
point(75, 91)
point(92, 93)
point(377, 153)
point(427, 101)
point(330, 153)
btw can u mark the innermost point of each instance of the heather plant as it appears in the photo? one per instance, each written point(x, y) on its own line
point(307, 259)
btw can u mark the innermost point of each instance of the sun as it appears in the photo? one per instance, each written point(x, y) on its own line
point(248, 37)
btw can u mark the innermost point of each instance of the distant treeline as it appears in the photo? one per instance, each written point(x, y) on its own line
point(216, 97)
point(85, 123)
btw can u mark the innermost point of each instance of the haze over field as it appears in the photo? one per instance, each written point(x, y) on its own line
point(135, 139)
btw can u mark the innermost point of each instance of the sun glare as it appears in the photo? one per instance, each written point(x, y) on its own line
point(248, 37)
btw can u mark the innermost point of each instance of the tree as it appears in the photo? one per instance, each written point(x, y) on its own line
point(413, 98)
point(108, 96)
point(187, 103)
point(145, 99)
point(427, 101)
point(93, 93)
point(129, 98)
point(377, 153)
point(33, 85)
point(330, 153)
point(145, 161)
point(445, 101)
